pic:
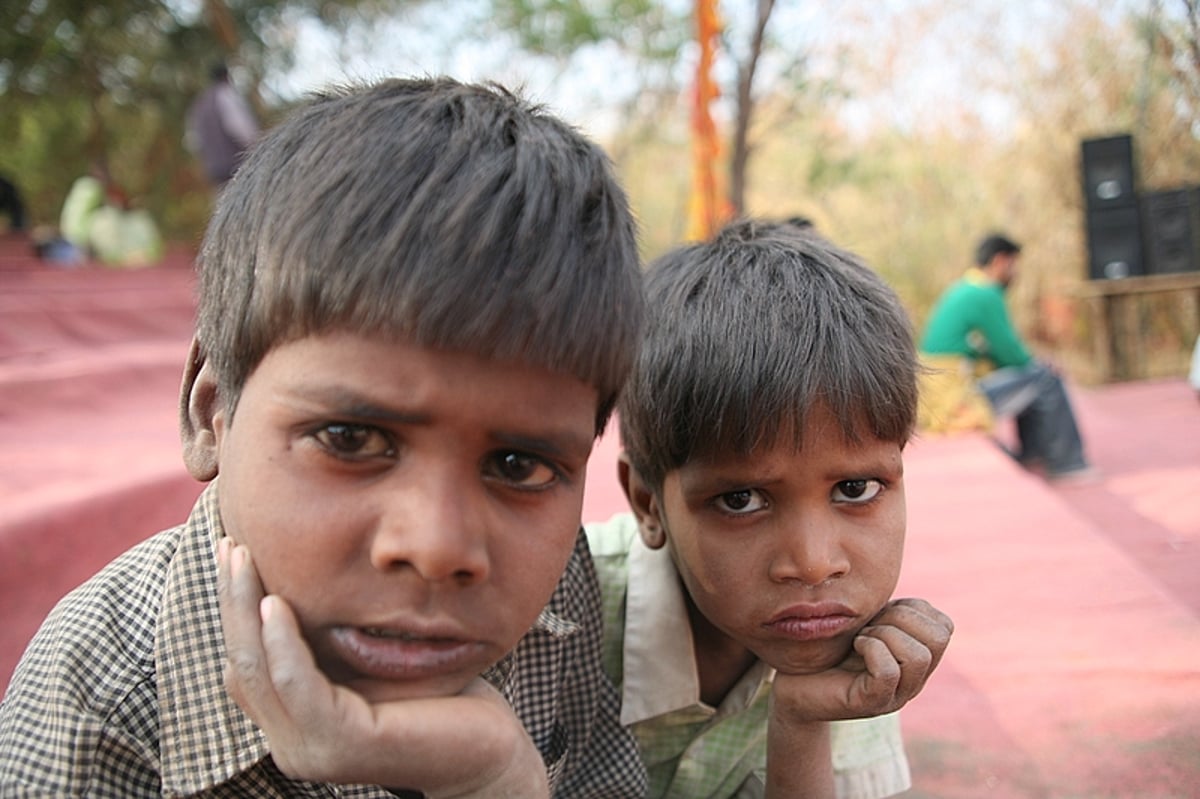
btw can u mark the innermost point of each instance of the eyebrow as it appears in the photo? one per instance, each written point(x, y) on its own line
point(563, 444)
point(734, 473)
point(354, 405)
point(709, 482)
point(560, 443)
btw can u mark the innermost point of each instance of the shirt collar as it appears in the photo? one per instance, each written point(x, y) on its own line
point(659, 673)
point(979, 277)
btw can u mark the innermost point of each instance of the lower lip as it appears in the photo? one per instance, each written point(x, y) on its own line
point(817, 628)
point(383, 658)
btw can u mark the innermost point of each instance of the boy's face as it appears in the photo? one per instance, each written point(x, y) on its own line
point(787, 553)
point(416, 507)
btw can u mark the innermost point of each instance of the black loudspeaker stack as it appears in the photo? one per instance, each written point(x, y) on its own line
point(1114, 231)
point(1131, 233)
point(1171, 221)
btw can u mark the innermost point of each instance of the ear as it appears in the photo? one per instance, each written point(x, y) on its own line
point(198, 404)
point(643, 503)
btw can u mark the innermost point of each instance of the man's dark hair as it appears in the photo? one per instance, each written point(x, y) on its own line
point(995, 244)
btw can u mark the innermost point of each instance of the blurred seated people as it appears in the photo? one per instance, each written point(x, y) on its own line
point(97, 219)
point(980, 369)
point(83, 199)
point(50, 246)
point(220, 126)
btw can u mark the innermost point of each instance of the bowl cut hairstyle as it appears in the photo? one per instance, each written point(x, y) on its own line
point(452, 216)
point(749, 332)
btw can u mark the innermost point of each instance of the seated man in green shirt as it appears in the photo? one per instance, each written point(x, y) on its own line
point(748, 594)
point(970, 324)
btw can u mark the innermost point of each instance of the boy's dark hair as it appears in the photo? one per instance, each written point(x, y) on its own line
point(748, 333)
point(448, 215)
point(992, 245)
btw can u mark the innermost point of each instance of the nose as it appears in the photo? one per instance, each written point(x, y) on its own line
point(435, 527)
point(809, 551)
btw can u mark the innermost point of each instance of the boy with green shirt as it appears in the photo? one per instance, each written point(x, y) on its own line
point(747, 595)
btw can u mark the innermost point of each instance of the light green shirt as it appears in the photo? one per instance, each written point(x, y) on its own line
point(693, 750)
point(84, 198)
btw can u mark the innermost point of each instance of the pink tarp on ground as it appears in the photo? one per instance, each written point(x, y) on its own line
point(1075, 667)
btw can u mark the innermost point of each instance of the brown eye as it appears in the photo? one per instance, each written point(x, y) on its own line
point(744, 501)
point(521, 470)
point(856, 491)
point(355, 441)
point(853, 489)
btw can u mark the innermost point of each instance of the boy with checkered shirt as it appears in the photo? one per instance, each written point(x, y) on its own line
point(418, 301)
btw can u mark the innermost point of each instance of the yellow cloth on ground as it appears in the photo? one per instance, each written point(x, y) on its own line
point(951, 401)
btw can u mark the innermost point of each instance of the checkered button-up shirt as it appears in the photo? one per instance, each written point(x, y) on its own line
point(120, 694)
point(693, 750)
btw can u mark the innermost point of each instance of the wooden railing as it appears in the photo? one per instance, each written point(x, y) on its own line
point(1119, 346)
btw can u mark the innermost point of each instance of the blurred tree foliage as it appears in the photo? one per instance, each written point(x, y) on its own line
point(651, 29)
point(660, 36)
point(910, 188)
point(914, 197)
point(83, 81)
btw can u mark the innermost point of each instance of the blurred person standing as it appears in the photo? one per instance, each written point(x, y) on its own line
point(220, 126)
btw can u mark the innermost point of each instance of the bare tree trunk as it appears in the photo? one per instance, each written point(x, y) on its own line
point(222, 24)
point(740, 156)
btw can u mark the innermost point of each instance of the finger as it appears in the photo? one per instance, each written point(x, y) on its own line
point(914, 659)
point(298, 683)
point(306, 718)
point(838, 693)
point(875, 690)
point(924, 608)
point(246, 676)
point(922, 621)
point(930, 626)
point(238, 597)
point(239, 592)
